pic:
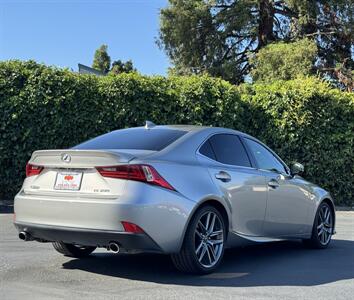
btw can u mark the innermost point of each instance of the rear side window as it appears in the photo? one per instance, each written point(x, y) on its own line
point(227, 149)
point(207, 150)
point(134, 138)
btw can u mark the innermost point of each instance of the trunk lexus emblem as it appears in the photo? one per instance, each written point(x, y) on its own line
point(66, 157)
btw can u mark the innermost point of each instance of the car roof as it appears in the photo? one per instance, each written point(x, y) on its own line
point(182, 127)
point(196, 128)
point(193, 128)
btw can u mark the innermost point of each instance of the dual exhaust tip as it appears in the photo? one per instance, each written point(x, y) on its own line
point(112, 246)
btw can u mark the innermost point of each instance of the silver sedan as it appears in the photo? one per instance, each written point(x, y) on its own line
point(188, 191)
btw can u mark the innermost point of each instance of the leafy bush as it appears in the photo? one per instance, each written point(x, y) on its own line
point(43, 108)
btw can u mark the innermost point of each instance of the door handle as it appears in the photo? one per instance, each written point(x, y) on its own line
point(273, 183)
point(223, 176)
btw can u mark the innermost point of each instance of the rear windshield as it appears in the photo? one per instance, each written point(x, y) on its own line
point(134, 138)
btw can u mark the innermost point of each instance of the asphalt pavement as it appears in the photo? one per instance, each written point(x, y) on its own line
point(283, 270)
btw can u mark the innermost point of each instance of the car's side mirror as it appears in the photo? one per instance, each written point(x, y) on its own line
point(296, 168)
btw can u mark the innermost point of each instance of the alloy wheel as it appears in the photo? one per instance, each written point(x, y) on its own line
point(324, 225)
point(209, 239)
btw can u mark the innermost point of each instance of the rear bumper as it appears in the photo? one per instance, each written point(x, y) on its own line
point(162, 214)
point(128, 242)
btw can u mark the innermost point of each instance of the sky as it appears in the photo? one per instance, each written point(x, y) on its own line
point(67, 32)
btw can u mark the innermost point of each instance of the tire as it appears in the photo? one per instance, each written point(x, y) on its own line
point(323, 223)
point(73, 250)
point(198, 240)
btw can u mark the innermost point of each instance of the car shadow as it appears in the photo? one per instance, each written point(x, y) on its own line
point(275, 264)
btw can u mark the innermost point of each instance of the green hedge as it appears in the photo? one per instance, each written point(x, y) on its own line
point(44, 107)
point(307, 121)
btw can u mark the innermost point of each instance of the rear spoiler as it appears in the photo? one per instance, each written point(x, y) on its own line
point(72, 158)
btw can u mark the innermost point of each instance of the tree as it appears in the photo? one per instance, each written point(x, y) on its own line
point(218, 36)
point(102, 61)
point(284, 61)
point(119, 66)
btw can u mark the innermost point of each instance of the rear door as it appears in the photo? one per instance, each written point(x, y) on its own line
point(288, 202)
point(240, 183)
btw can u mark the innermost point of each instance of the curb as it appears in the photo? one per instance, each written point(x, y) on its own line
point(344, 208)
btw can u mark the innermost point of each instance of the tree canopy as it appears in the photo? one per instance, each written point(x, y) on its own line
point(284, 61)
point(120, 66)
point(102, 61)
point(218, 36)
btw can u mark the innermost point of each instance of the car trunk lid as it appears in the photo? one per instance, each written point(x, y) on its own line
point(73, 172)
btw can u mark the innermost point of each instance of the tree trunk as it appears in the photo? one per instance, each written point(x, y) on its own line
point(265, 25)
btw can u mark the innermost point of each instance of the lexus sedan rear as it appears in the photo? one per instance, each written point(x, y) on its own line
point(187, 191)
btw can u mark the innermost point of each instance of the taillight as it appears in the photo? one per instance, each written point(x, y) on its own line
point(33, 170)
point(144, 173)
point(131, 227)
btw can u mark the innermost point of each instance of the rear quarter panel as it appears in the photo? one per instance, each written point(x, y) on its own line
point(193, 182)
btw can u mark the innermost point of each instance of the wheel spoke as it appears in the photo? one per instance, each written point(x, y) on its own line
point(324, 236)
point(320, 232)
point(212, 251)
point(328, 219)
point(216, 242)
point(208, 252)
point(207, 221)
point(329, 234)
point(202, 226)
point(215, 233)
point(198, 233)
point(321, 215)
point(203, 253)
point(326, 213)
point(212, 224)
point(199, 247)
